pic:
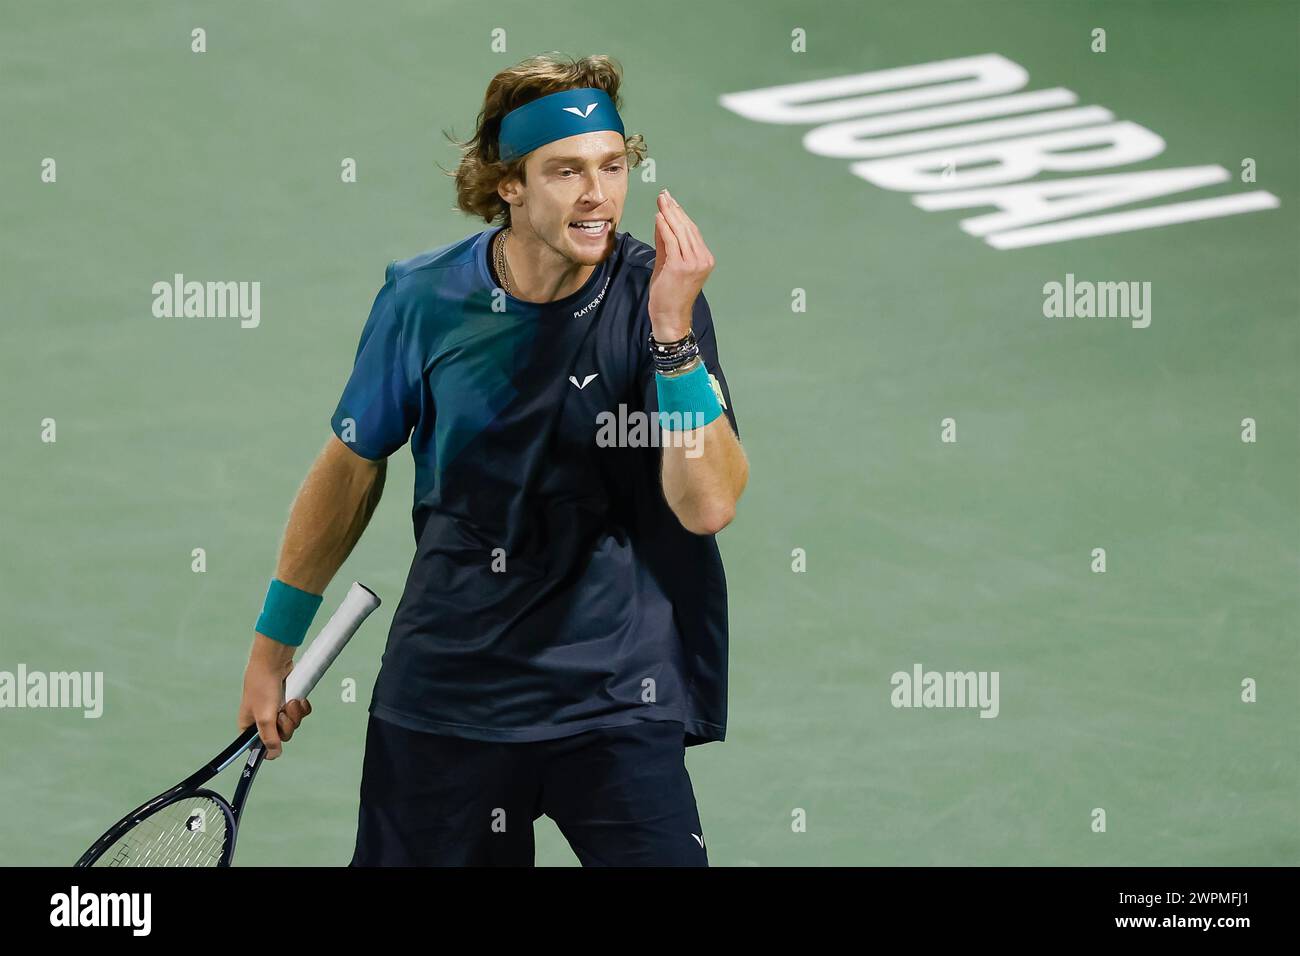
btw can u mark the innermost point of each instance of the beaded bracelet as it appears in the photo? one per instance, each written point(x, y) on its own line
point(672, 356)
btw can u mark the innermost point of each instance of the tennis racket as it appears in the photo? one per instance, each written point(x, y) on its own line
point(191, 825)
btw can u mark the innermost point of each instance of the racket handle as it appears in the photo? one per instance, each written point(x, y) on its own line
point(333, 637)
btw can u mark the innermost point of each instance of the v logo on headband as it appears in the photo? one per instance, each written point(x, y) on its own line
point(577, 112)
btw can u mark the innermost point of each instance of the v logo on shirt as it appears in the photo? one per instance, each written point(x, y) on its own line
point(573, 379)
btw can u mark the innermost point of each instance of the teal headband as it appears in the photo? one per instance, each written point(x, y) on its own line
point(556, 116)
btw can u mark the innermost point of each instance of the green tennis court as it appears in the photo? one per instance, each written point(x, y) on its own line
point(935, 462)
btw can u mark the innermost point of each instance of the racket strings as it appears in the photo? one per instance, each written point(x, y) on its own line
point(189, 833)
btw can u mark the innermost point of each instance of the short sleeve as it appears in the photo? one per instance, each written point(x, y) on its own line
point(381, 401)
point(707, 339)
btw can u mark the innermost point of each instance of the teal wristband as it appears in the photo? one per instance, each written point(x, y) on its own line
point(287, 613)
point(686, 401)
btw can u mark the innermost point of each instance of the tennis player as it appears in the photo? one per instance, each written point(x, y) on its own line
point(562, 637)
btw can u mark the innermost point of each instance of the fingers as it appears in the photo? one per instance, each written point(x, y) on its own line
point(293, 714)
point(659, 246)
point(675, 222)
point(666, 245)
point(684, 229)
point(278, 730)
point(689, 233)
point(269, 732)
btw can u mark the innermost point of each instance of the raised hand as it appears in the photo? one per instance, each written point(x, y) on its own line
point(682, 264)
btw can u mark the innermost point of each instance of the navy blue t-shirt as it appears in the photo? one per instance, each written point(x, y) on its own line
point(553, 591)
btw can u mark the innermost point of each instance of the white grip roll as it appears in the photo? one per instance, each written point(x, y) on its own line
point(333, 637)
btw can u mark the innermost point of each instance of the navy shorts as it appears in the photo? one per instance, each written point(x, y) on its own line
point(621, 797)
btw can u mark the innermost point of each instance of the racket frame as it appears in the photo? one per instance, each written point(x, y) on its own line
point(356, 607)
point(192, 786)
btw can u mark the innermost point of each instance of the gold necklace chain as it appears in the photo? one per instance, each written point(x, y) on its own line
point(499, 258)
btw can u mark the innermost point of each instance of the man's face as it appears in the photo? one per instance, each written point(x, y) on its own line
point(580, 178)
